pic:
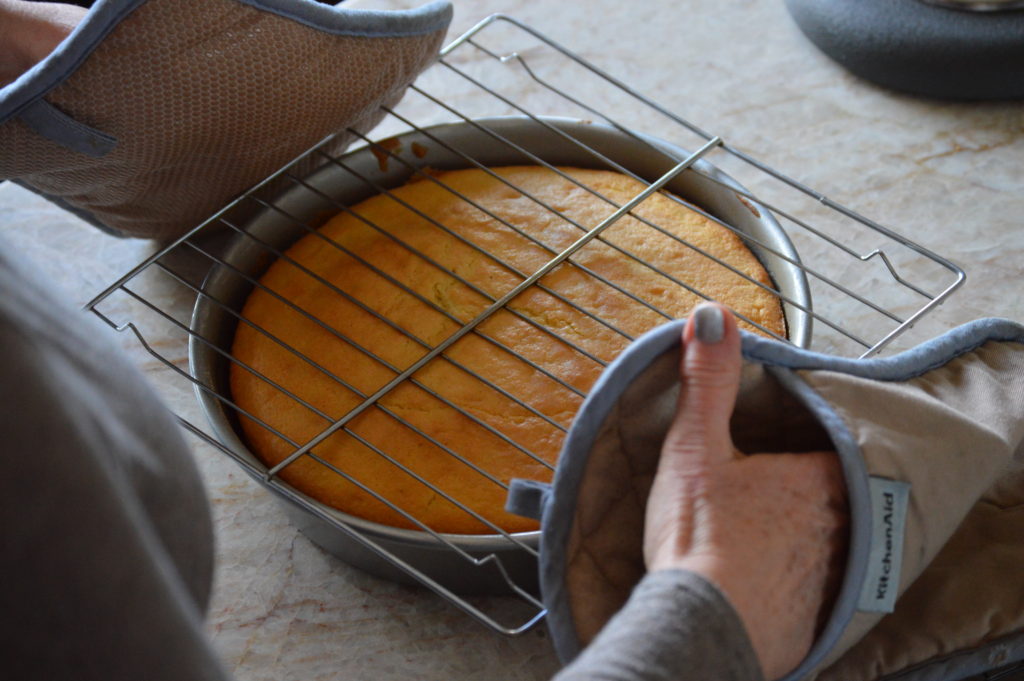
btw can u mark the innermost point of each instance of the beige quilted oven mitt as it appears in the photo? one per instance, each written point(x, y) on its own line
point(154, 114)
point(932, 447)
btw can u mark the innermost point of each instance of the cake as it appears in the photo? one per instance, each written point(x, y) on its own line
point(350, 307)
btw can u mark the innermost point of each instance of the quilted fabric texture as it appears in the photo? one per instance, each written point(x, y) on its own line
point(205, 98)
point(947, 418)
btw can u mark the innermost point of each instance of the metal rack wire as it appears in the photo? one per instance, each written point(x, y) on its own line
point(859, 284)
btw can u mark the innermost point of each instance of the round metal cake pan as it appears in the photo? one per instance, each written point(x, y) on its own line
point(488, 142)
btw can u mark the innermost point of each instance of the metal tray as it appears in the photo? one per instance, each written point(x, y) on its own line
point(363, 173)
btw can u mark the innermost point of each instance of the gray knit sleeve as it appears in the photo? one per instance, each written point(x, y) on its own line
point(107, 548)
point(676, 625)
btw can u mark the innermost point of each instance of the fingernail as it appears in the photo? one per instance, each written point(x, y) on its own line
point(708, 324)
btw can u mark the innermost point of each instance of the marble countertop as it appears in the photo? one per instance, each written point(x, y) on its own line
point(949, 176)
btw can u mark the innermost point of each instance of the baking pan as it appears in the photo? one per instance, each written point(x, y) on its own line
point(441, 561)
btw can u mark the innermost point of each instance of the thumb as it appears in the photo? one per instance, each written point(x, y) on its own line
point(709, 372)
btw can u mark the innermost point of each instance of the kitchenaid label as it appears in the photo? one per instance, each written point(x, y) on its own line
point(888, 517)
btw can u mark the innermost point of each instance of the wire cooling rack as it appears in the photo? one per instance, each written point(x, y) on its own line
point(853, 286)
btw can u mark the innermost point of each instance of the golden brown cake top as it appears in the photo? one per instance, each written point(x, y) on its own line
point(380, 285)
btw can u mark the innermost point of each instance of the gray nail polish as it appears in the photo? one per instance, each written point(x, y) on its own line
point(709, 325)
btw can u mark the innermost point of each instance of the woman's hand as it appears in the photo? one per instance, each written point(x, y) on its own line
point(768, 530)
point(31, 30)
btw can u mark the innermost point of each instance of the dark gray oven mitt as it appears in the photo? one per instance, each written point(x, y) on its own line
point(154, 114)
point(930, 443)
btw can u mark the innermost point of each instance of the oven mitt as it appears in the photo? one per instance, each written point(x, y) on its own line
point(930, 443)
point(154, 114)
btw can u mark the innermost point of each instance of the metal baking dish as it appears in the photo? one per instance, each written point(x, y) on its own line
point(404, 555)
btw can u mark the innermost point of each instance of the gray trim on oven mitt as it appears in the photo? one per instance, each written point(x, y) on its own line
point(933, 434)
point(154, 114)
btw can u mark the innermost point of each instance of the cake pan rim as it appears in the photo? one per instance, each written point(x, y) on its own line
point(491, 542)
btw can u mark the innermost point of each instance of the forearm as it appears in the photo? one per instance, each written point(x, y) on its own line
point(31, 30)
point(676, 625)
